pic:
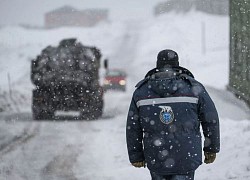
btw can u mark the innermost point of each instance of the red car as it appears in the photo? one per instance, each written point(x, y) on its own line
point(115, 79)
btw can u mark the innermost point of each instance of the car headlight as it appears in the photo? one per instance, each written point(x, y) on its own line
point(106, 81)
point(122, 82)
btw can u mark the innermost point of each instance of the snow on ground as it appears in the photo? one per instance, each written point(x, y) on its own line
point(93, 150)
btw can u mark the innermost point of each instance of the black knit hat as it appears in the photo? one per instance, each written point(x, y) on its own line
point(167, 58)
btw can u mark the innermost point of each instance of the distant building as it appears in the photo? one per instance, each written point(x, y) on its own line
point(69, 16)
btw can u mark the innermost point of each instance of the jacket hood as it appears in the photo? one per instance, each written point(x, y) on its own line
point(167, 81)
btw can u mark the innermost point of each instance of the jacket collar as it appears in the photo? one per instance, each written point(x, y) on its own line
point(178, 69)
point(185, 73)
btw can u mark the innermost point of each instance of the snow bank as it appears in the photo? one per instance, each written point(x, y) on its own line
point(183, 33)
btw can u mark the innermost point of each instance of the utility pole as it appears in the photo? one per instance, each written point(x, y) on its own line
point(203, 38)
point(9, 82)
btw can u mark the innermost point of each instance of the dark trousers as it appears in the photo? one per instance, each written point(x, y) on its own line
point(189, 176)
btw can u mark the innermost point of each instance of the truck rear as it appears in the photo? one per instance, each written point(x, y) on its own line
point(66, 78)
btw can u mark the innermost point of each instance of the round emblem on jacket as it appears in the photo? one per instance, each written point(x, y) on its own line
point(166, 114)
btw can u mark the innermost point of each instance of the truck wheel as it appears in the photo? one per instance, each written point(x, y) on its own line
point(96, 112)
point(40, 114)
point(36, 112)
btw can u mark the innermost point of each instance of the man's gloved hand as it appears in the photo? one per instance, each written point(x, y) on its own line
point(209, 157)
point(139, 164)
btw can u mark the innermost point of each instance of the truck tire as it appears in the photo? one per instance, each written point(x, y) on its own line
point(39, 114)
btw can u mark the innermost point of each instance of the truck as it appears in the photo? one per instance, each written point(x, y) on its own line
point(66, 78)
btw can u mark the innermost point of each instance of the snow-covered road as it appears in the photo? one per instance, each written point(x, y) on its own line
point(66, 149)
point(92, 150)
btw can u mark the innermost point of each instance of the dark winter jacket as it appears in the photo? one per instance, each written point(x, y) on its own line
point(163, 124)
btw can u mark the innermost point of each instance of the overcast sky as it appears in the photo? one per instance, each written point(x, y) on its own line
point(14, 12)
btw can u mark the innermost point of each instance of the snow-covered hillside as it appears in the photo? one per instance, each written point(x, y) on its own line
point(97, 149)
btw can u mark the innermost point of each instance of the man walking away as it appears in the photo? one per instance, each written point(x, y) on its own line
point(164, 118)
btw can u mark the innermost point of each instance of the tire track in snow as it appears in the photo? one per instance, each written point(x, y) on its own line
point(28, 133)
point(61, 167)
